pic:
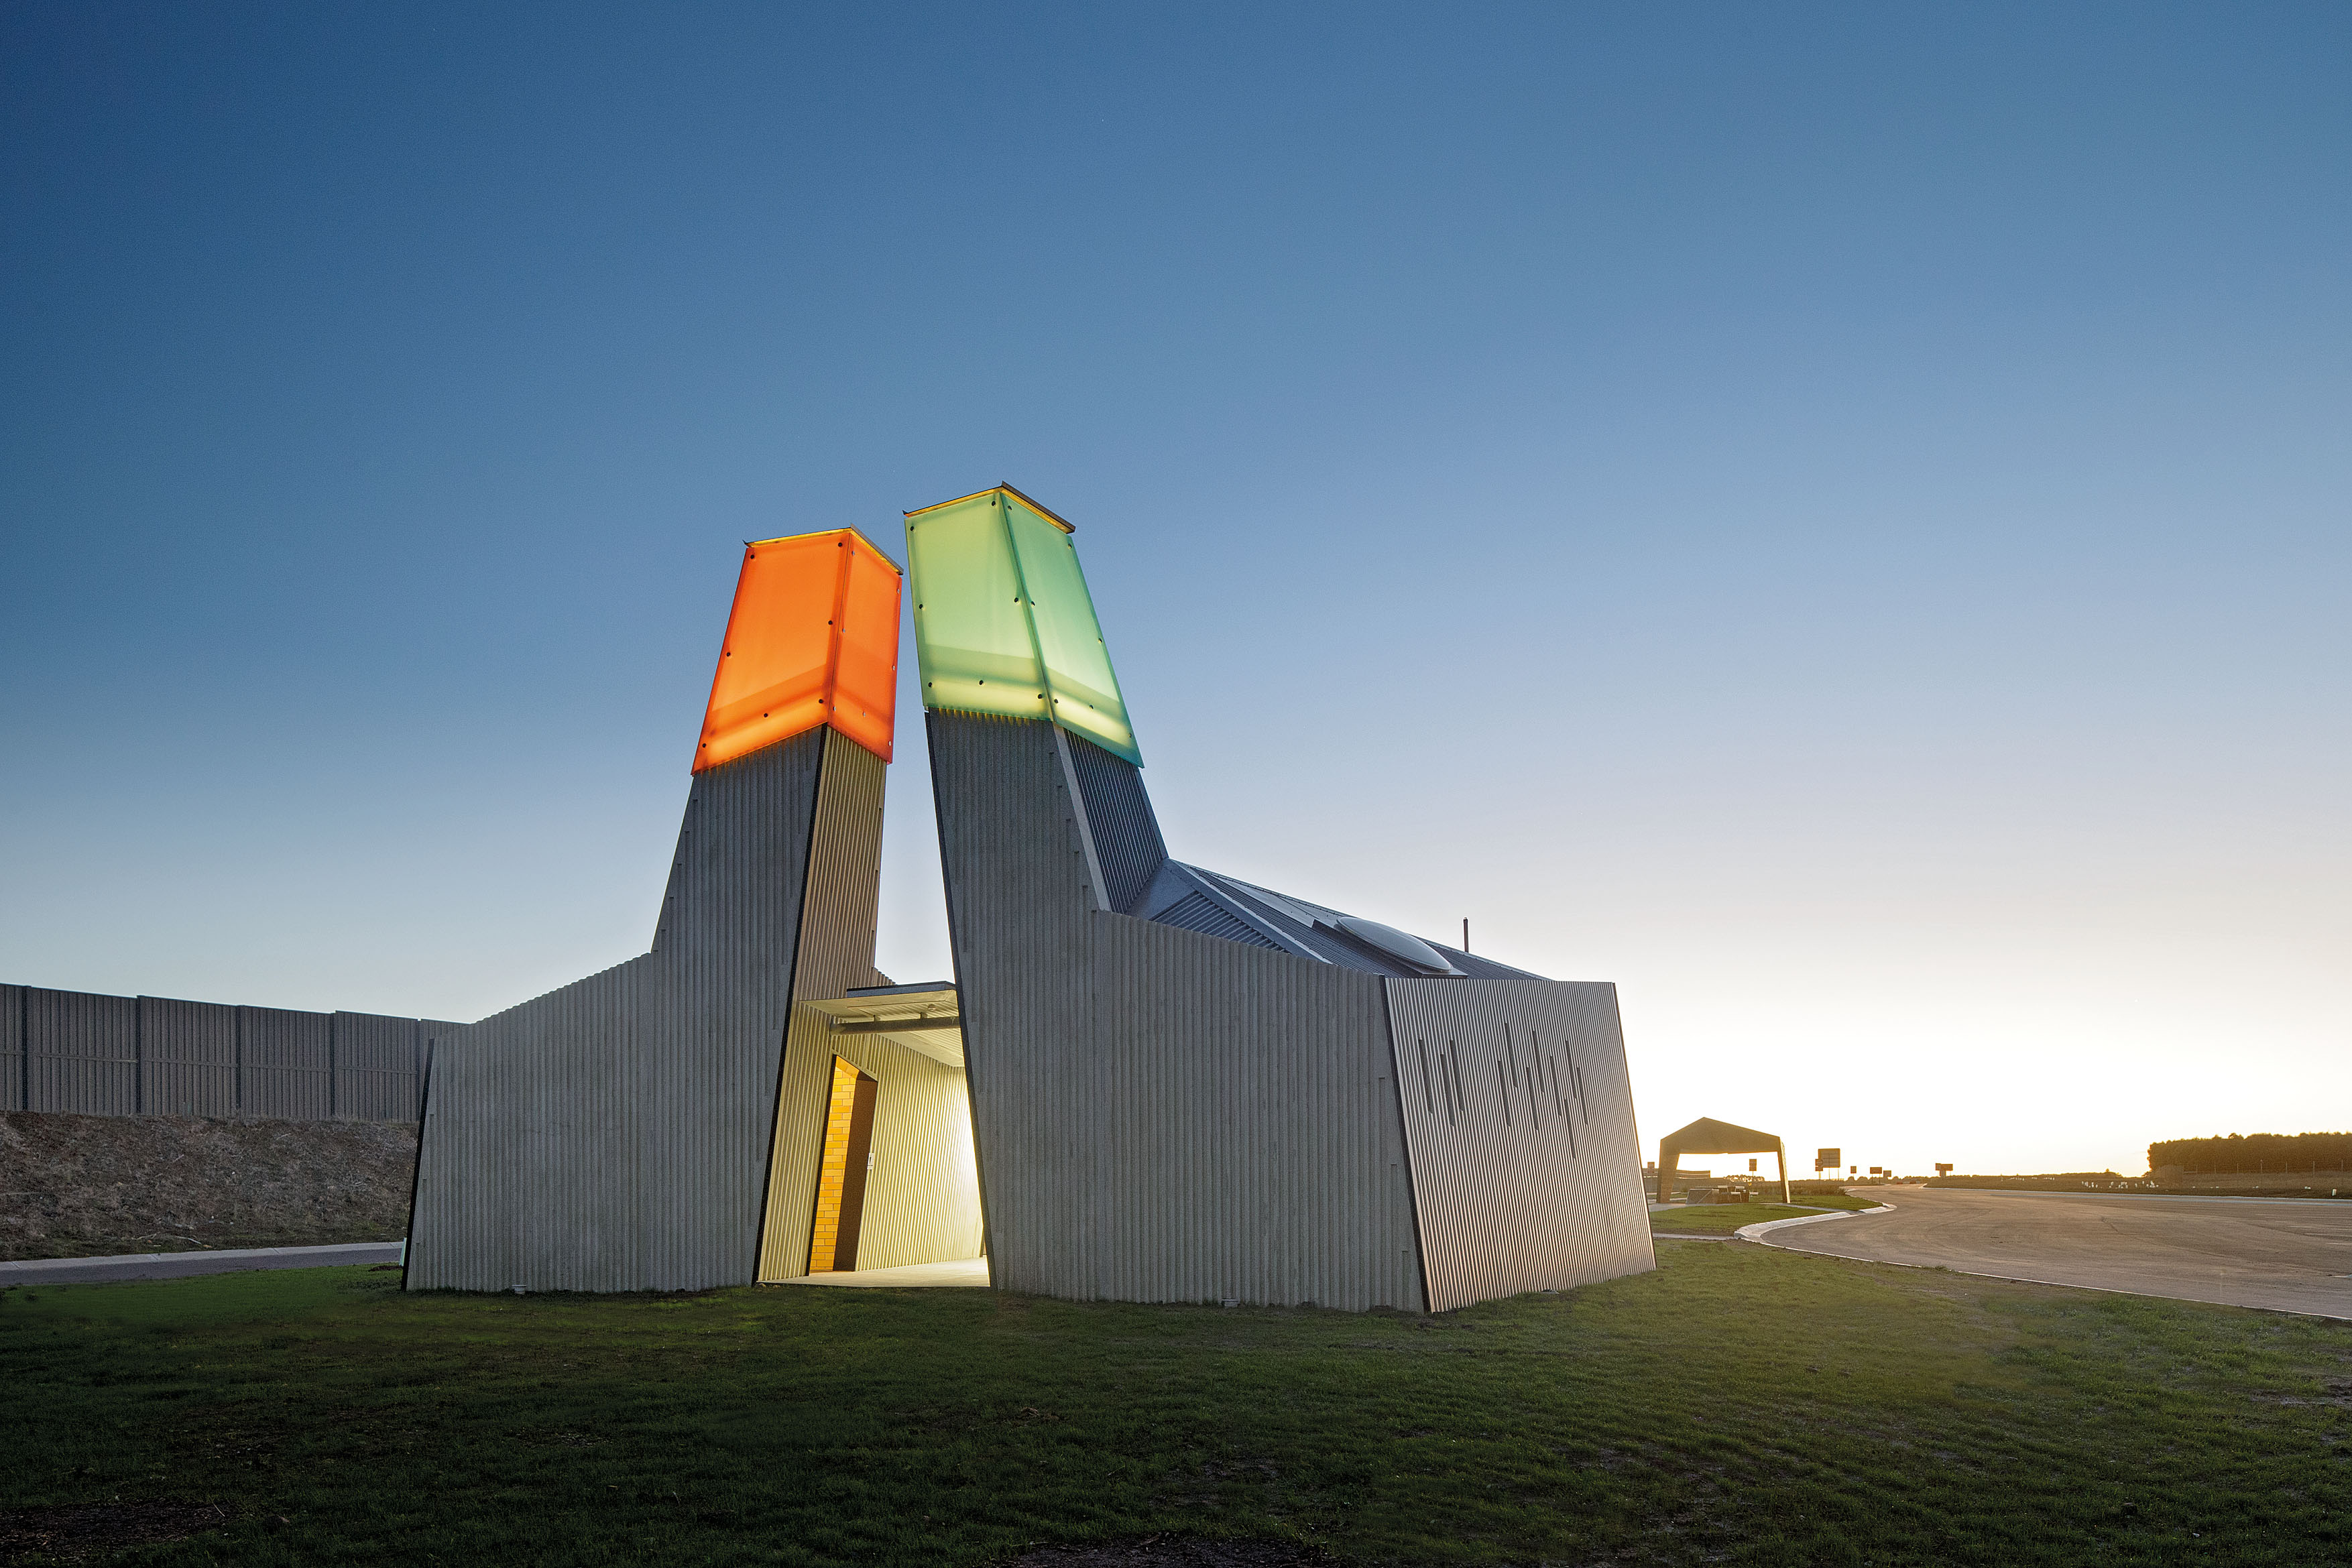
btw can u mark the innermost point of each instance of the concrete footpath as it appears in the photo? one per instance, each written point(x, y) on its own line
point(178, 1265)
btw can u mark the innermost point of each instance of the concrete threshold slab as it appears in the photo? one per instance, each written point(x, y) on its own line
point(180, 1265)
point(964, 1273)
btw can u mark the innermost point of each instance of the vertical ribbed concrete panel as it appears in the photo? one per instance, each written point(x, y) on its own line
point(81, 1052)
point(121, 1056)
point(285, 1064)
point(187, 1058)
point(615, 1134)
point(11, 1048)
point(1527, 1168)
point(376, 1061)
point(921, 1197)
point(1119, 812)
point(1161, 1115)
point(836, 952)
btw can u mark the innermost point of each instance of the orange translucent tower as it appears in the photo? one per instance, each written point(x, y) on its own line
point(812, 640)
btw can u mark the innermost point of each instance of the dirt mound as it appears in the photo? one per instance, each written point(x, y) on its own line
point(79, 1187)
point(101, 1529)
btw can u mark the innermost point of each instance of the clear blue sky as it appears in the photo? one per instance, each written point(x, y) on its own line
point(1833, 517)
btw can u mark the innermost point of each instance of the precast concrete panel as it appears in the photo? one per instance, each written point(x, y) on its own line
point(615, 1134)
point(1160, 1114)
point(1120, 820)
point(11, 1048)
point(1527, 1167)
point(187, 1058)
point(834, 952)
point(376, 1061)
point(1250, 1091)
point(285, 1064)
point(81, 1052)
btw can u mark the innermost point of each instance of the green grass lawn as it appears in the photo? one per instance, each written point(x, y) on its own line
point(1739, 1406)
point(1723, 1218)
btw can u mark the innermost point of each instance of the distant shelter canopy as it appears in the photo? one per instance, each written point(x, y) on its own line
point(1708, 1136)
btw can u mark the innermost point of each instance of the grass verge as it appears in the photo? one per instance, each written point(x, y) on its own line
point(1739, 1406)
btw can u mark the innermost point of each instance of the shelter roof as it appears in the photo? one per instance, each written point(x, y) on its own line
point(1708, 1136)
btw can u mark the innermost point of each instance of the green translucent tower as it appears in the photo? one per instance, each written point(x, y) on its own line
point(1003, 624)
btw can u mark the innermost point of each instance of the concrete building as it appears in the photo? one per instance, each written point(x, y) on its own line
point(1148, 1081)
point(704, 1114)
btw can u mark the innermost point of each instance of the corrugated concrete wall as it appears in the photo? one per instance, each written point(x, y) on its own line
point(1161, 1115)
point(81, 1052)
point(376, 1063)
point(285, 1064)
point(922, 1200)
point(617, 1134)
point(836, 952)
point(11, 1048)
point(1527, 1167)
point(90, 1054)
point(1128, 845)
point(187, 1059)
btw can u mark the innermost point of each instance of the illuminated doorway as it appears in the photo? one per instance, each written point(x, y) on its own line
point(841, 1174)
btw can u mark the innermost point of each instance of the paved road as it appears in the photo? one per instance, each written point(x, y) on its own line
point(2287, 1254)
point(174, 1265)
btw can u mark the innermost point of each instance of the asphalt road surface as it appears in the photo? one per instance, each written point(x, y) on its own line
point(2290, 1255)
point(174, 1265)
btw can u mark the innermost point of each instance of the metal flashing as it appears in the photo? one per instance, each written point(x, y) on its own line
point(860, 533)
point(1031, 503)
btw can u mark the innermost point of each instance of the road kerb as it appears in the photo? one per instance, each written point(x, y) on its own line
point(1756, 1232)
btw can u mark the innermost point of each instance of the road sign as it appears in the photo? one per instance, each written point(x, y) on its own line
point(1828, 1159)
point(1942, 1170)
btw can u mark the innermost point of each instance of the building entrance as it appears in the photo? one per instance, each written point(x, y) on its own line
point(841, 1174)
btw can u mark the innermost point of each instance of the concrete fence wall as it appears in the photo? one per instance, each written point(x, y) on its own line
point(97, 1055)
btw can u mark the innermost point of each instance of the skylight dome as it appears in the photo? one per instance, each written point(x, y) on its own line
point(1397, 944)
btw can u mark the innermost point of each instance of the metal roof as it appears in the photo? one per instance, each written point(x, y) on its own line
point(1292, 925)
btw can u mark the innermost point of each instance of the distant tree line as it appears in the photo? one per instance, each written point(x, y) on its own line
point(2255, 1151)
